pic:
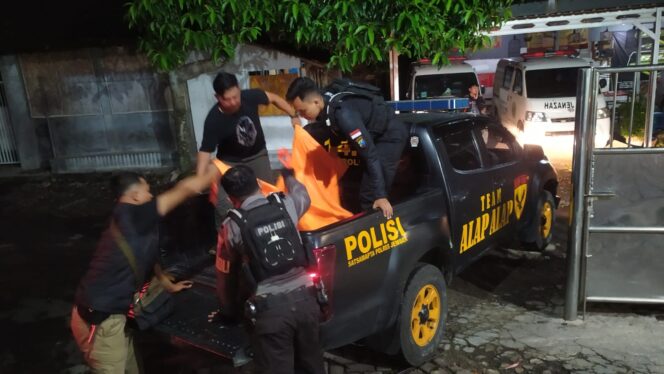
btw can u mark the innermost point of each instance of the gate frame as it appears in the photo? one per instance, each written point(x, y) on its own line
point(582, 161)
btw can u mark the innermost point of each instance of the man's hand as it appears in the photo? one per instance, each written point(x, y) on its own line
point(295, 121)
point(385, 206)
point(179, 286)
point(167, 280)
point(285, 158)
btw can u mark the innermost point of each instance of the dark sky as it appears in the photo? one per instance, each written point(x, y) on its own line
point(31, 25)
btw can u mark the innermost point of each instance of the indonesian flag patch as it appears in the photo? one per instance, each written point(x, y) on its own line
point(356, 136)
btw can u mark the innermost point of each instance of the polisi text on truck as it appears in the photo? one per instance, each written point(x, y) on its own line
point(376, 240)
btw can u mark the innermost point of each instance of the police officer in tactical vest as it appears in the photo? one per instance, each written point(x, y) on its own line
point(357, 112)
point(261, 273)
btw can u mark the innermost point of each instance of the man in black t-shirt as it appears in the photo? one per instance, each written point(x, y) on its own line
point(105, 292)
point(233, 129)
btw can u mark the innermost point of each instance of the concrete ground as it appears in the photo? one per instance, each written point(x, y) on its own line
point(505, 311)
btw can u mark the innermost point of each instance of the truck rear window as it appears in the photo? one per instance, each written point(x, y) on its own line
point(550, 83)
point(443, 85)
point(461, 149)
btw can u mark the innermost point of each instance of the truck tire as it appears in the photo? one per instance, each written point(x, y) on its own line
point(423, 314)
point(543, 222)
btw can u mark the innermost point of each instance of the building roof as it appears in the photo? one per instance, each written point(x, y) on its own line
point(554, 62)
point(539, 9)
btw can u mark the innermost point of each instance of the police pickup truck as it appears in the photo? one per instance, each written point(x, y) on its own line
point(464, 185)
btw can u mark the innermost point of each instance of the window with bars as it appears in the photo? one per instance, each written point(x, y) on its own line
point(8, 154)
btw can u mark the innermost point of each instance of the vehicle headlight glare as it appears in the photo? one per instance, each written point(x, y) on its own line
point(535, 117)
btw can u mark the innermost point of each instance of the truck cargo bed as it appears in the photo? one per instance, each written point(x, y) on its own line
point(189, 323)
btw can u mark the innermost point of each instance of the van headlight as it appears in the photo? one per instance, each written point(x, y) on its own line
point(535, 117)
point(602, 113)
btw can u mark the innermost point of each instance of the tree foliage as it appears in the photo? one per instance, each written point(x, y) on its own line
point(353, 31)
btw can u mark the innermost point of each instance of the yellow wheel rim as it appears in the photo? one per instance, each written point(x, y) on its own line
point(425, 315)
point(547, 219)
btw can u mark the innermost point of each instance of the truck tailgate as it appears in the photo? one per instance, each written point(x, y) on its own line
point(189, 324)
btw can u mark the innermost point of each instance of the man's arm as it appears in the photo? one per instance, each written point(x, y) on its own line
point(282, 104)
point(186, 188)
point(297, 192)
point(209, 141)
point(166, 280)
point(351, 124)
point(202, 162)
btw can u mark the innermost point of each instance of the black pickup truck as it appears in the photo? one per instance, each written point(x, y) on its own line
point(464, 185)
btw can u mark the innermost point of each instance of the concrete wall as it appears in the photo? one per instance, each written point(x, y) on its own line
point(105, 109)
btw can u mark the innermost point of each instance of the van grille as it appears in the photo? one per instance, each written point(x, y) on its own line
point(567, 119)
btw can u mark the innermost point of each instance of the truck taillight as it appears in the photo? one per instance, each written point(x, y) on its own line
point(323, 274)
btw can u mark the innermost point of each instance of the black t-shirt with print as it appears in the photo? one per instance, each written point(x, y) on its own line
point(238, 135)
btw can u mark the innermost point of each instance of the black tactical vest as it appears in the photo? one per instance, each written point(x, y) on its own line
point(272, 244)
point(342, 89)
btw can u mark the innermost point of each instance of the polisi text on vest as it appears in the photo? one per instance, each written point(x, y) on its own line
point(274, 226)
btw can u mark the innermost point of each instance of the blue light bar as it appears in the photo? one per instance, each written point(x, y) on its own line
point(429, 105)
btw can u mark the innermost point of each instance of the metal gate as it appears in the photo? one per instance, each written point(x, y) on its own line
point(8, 153)
point(616, 246)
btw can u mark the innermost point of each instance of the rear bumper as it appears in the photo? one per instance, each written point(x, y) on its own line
point(603, 127)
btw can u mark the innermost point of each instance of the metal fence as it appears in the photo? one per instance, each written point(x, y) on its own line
point(617, 216)
point(8, 153)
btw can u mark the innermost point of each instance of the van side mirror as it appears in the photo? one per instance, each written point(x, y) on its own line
point(603, 83)
point(482, 89)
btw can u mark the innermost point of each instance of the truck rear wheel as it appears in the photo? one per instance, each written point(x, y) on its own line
point(423, 314)
point(543, 223)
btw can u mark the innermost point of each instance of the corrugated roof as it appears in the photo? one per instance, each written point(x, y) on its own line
point(533, 10)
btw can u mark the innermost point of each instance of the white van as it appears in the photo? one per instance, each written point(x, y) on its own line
point(432, 82)
point(538, 96)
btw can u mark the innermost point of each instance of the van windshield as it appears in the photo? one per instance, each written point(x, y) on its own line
point(443, 85)
point(550, 83)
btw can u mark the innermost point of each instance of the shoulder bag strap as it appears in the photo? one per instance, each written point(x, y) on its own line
point(126, 250)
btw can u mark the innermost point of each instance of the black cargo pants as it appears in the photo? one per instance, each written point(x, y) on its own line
point(285, 337)
point(389, 146)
